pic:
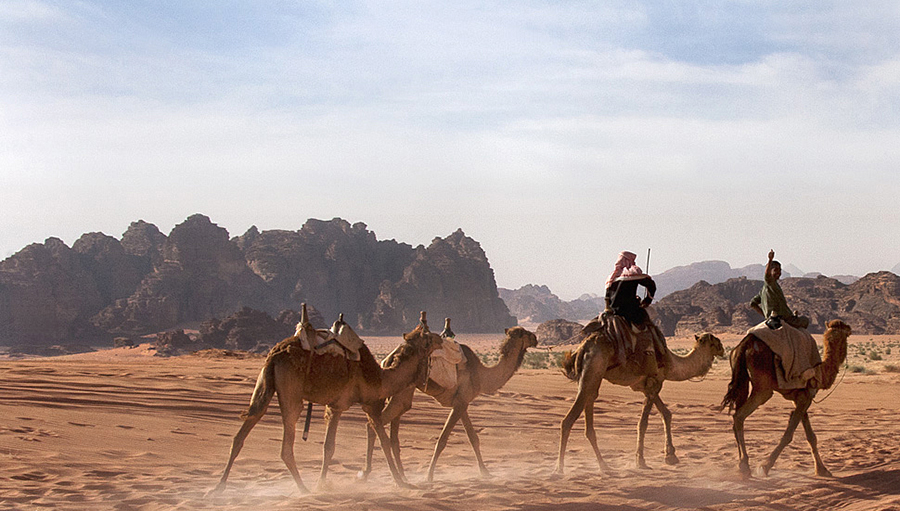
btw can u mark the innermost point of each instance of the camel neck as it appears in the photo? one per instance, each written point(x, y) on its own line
point(694, 364)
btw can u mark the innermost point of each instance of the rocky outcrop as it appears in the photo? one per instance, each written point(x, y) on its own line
point(451, 278)
point(870, 305)
point(537, 304)
point(558, 331)
point(253, 330)
point(200, 274)
point(336, 266)
point(47, 295)
point(103, 288)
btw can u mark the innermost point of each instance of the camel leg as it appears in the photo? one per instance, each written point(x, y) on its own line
point(236, 446)
point(290, 413)
point(821, 470)
point(332, 418)
point(396, 407)
point(642, 431)
point(452, 419)
point(754, 401)
point(671, 458)
point(589, 432)
point(565, 427)
point(802, 404)
point(476, 443)
point(375, 421)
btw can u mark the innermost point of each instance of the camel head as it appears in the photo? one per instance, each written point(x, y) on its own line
point(835, 340)
point(528, 339)
point(711, 342)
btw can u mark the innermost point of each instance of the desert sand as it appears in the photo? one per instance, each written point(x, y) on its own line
point(122, 429)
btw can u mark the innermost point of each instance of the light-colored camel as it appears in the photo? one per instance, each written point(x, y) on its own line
point(473, 379)
point(594, 361)
point(336, 382)
point(753, 382)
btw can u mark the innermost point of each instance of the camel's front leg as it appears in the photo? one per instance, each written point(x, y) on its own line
point(671, 458)
point(642, 432)
point(476, 443)
point(236, 446)
point(396, 407)
point(332, 418)
point(452, 419)
point(821, 470)
point(377, 424)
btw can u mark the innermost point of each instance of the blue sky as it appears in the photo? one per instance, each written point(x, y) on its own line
point(555, 135)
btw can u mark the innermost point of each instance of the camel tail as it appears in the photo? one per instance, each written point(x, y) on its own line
point(571, 364)
point(739, 386)
point(262, 393)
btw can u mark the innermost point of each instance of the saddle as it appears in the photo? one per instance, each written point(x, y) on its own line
point(340, 340)
point(630, 341)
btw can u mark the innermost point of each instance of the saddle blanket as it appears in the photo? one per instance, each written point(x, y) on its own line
point(795, 352)
point(442, 364)
point(343, 343)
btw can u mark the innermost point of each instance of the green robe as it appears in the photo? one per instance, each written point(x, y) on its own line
point(771, 298)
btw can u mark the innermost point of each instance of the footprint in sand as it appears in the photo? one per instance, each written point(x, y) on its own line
point(124, 426)
point(82, 425)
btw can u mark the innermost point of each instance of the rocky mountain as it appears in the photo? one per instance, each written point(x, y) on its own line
point(537, 304)
point(870, 305)
point(147, 282)
point(715, 272)
point(451, 278)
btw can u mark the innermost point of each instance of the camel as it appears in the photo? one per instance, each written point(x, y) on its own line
point(594, 361)
point(473, 379)
point(337, 383)
point(753, 381)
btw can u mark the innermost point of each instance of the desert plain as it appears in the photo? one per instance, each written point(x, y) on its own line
point(123, 429)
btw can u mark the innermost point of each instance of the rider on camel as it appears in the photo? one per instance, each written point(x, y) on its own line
point(771, 303)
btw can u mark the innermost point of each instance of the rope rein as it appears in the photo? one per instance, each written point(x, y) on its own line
point(835, 385)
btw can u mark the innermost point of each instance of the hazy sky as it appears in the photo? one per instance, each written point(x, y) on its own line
point(555, 133)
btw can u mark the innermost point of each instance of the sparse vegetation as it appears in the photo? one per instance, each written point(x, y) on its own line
point(874, 355)
point(891, 368)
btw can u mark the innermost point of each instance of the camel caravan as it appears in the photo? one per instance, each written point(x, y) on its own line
point(622, 345)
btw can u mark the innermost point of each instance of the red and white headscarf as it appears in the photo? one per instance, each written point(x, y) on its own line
point(625, 267)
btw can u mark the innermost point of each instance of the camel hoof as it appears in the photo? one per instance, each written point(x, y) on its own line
point(671, 459)
point(763, 471)
point(218, 490)
point(485, 474)
point(362, 475)
point(640, 463)
point(745, 471)
point(823, 472)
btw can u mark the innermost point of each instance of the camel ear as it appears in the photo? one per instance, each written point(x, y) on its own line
point(696, 337)
point(506, 331)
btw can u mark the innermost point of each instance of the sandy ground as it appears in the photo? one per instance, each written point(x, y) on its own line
point(121, 429)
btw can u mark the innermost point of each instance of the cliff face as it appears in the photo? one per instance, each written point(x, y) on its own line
point(451, 278)
point(147, 282)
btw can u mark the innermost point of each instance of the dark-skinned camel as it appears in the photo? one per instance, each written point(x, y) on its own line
point(754, 381)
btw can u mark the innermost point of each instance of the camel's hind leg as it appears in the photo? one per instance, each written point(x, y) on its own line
point(589, 430)
point(754, 401)
point(452, 419)
point(580, 404)
point(802, 405)
point(821, 470)
point(476, 443)
point(642, 432)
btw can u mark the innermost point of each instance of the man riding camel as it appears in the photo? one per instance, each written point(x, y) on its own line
point(638, 340)
point(771, 303)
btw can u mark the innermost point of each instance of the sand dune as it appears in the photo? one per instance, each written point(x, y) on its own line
point(121, 429)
